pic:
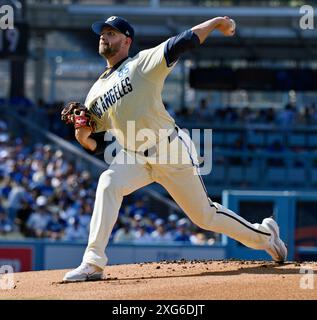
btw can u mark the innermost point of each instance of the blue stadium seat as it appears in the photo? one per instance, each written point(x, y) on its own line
point(217, 138)
point(296, 140)
point(276, 176)
point(273, 137)
point(313, 174)
point(312, 140)
point(217, 173)
point(252, 174)
point(235, 174)
point(231, 138)
point(297, 176)
point(256, 138)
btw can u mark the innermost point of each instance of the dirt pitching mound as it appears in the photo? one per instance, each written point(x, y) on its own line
point(176, 280)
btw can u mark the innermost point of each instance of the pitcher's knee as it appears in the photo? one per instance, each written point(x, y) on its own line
point(205, 219)
point(108, 183)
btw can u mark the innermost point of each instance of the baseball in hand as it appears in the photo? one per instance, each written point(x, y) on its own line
point(227, 26)
point(233, 28)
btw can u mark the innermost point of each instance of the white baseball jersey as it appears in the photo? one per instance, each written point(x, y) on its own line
point(132, 93)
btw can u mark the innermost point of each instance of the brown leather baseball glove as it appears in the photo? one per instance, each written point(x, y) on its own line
point(78, 114)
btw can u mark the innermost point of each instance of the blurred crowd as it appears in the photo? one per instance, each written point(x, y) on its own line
point(44, 195)
point(290, 114)
point(138, 225)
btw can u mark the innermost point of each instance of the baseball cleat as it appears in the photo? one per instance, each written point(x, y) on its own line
point(85, 272)
point(277, 249)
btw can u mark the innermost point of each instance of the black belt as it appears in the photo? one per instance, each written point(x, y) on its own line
point(149, 152)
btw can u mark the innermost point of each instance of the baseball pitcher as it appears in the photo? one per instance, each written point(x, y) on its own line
point(129, 91)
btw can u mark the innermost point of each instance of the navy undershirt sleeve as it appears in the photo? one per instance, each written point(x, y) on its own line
point(179, 44)
point(101, 143)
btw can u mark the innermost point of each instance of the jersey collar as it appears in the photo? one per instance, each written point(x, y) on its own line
point(109, 71)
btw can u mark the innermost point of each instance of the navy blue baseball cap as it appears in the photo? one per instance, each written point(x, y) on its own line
point(118, 23)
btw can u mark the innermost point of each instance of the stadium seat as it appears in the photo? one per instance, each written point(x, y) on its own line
point(217, 138)
point(231, 138)
point(235, 174)
point(296, 140)
point(313, 175)
point(312, 140)
point(297, 176)
point(276, 176)
point(217, 173)
point(252, 174)
point(256, 138)
point(274, 137)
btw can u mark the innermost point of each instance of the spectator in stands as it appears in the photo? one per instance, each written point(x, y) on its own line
point(46, 188)
point(22, 217)
point(138, 207)
point(275, 148)
point(55, 227)
point(202, 238)
point(85, 179)
point(74, 231)
point(230, 114)
point(85, 215)
point(39, 219)
point(246, 115)
point(6, 225)
point(57, 166)
point(198, 238)
point(38, 177)
point(124, 234)
point(172, 224)
point(149, 220)
point(5, 136)
point(287, 116)
point(16, 174)
point(308, 114)
point(202, 112)
point(15, 199)
point(160, 234)
point(270, 116)
point(5, 187)
point(135, 221)
point(226, 115)
point(71, 209)
point(182, 233)
point(141, 235)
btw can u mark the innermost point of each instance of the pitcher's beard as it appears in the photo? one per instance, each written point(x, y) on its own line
point(108, 52)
